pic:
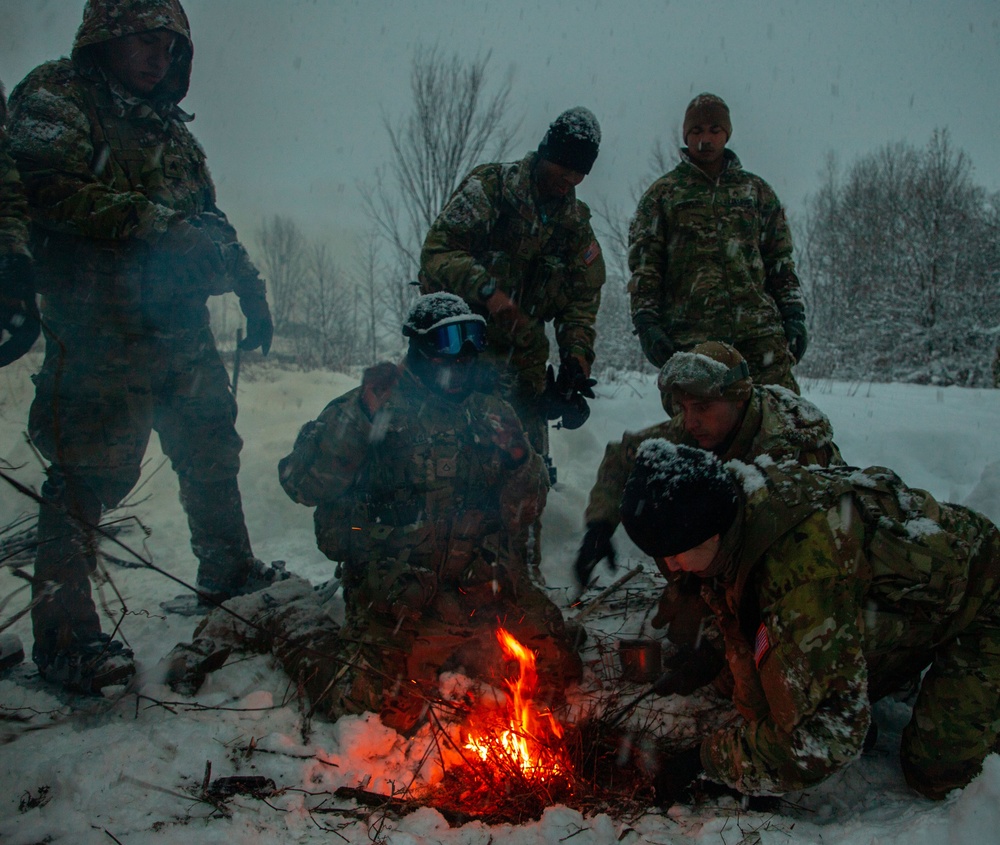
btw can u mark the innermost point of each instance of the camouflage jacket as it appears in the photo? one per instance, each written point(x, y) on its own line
point(543, 256)
point(837, 577)
point(106, 172)
point(712, 259)
point(13, 208)
point(425, 482)
point(777, 423)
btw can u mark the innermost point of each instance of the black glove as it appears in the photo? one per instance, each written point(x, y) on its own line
point(18, 309)
point(794, 322)
point(566, 396)
point(656, 345)
point(572, 380)
point(690, 669)
point(677, 772)
point(260, 328)
point(596, 546)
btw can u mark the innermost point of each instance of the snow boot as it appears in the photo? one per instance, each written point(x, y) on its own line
point(88, 666)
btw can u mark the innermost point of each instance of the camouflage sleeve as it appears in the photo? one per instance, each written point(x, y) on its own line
point(241, 270)
point(647, 254)
point(13, 206)
point(619, 459)
point(328, 453)
point(574, 326)
point(452, 257)
point(52, 143)
point(808, 651)
point(780, 280)
point(525, 487)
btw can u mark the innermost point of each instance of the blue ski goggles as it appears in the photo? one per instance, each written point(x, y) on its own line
point(451, 337)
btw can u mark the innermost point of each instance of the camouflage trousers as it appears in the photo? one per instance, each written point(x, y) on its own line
point(956, 716)
point(769, 360)
point(98, 397)
point(376, 663)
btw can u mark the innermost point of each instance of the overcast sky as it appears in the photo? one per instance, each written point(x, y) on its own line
point(289, 96)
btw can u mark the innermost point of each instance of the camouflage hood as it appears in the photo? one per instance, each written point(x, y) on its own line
point(105, 20)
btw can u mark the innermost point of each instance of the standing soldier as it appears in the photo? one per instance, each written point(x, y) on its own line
point(711, 257)
point(516, 244)
point(421, 487)
point(129, 244)
point(19, 325)
point(831, 588)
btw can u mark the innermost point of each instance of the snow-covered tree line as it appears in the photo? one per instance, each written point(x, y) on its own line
point(901, 261)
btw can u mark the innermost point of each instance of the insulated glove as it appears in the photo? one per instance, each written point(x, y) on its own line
point(689, 670)
point(191, 253)
point(675, 775)
point(19, 319)
point(572, 410)
point(794, 322)
point(260, 328)
point(656, 346)
point(596, 546)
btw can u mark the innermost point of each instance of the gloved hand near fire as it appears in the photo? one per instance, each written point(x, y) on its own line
point(596, 546)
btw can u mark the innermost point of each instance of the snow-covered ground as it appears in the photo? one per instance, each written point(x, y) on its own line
point(126, 769)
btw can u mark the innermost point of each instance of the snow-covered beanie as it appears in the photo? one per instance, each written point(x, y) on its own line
point(712, 370)
point(436, 309)
point(572, 140)
point(707, 110)
point(676, 498)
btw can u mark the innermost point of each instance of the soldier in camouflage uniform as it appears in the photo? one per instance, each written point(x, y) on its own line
point(128, 244)
point(711, 257)
point(832, 588)
point(19, 326)
point(716, 406)
point(421, 487)
point(517, 245)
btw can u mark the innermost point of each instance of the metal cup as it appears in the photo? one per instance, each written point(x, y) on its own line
point(640, 660)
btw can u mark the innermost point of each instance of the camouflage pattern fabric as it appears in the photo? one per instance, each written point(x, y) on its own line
point(543, 255)
point(128, 344)
point(712, 260)
point(847, 584)
point(777, 423)
point(424, 505)
point(13, 207)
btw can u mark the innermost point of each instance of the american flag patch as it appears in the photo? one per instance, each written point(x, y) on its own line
point(761, 645)
point(590, 253)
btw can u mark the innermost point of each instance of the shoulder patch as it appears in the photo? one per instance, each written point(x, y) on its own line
point(761, 645)
point(591, 252)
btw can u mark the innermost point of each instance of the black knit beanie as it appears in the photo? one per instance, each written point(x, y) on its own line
point(572, 140)
point(676, 498)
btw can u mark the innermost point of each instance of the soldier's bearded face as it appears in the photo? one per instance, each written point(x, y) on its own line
point(554, 180)
point(141, 61)
point(711, 422)
point(694, 560)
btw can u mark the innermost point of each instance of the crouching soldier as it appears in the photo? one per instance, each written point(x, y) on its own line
point(716, 406)
point(422, 488)
point(832, 588)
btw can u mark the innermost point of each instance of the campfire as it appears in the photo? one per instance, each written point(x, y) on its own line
point(522, 741)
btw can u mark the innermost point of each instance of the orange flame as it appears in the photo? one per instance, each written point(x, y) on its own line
point(531, 741)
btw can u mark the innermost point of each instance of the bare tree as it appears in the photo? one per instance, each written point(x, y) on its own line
point(900, 258)
point(283, 250)
point(365, 310)
point(455, 121)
